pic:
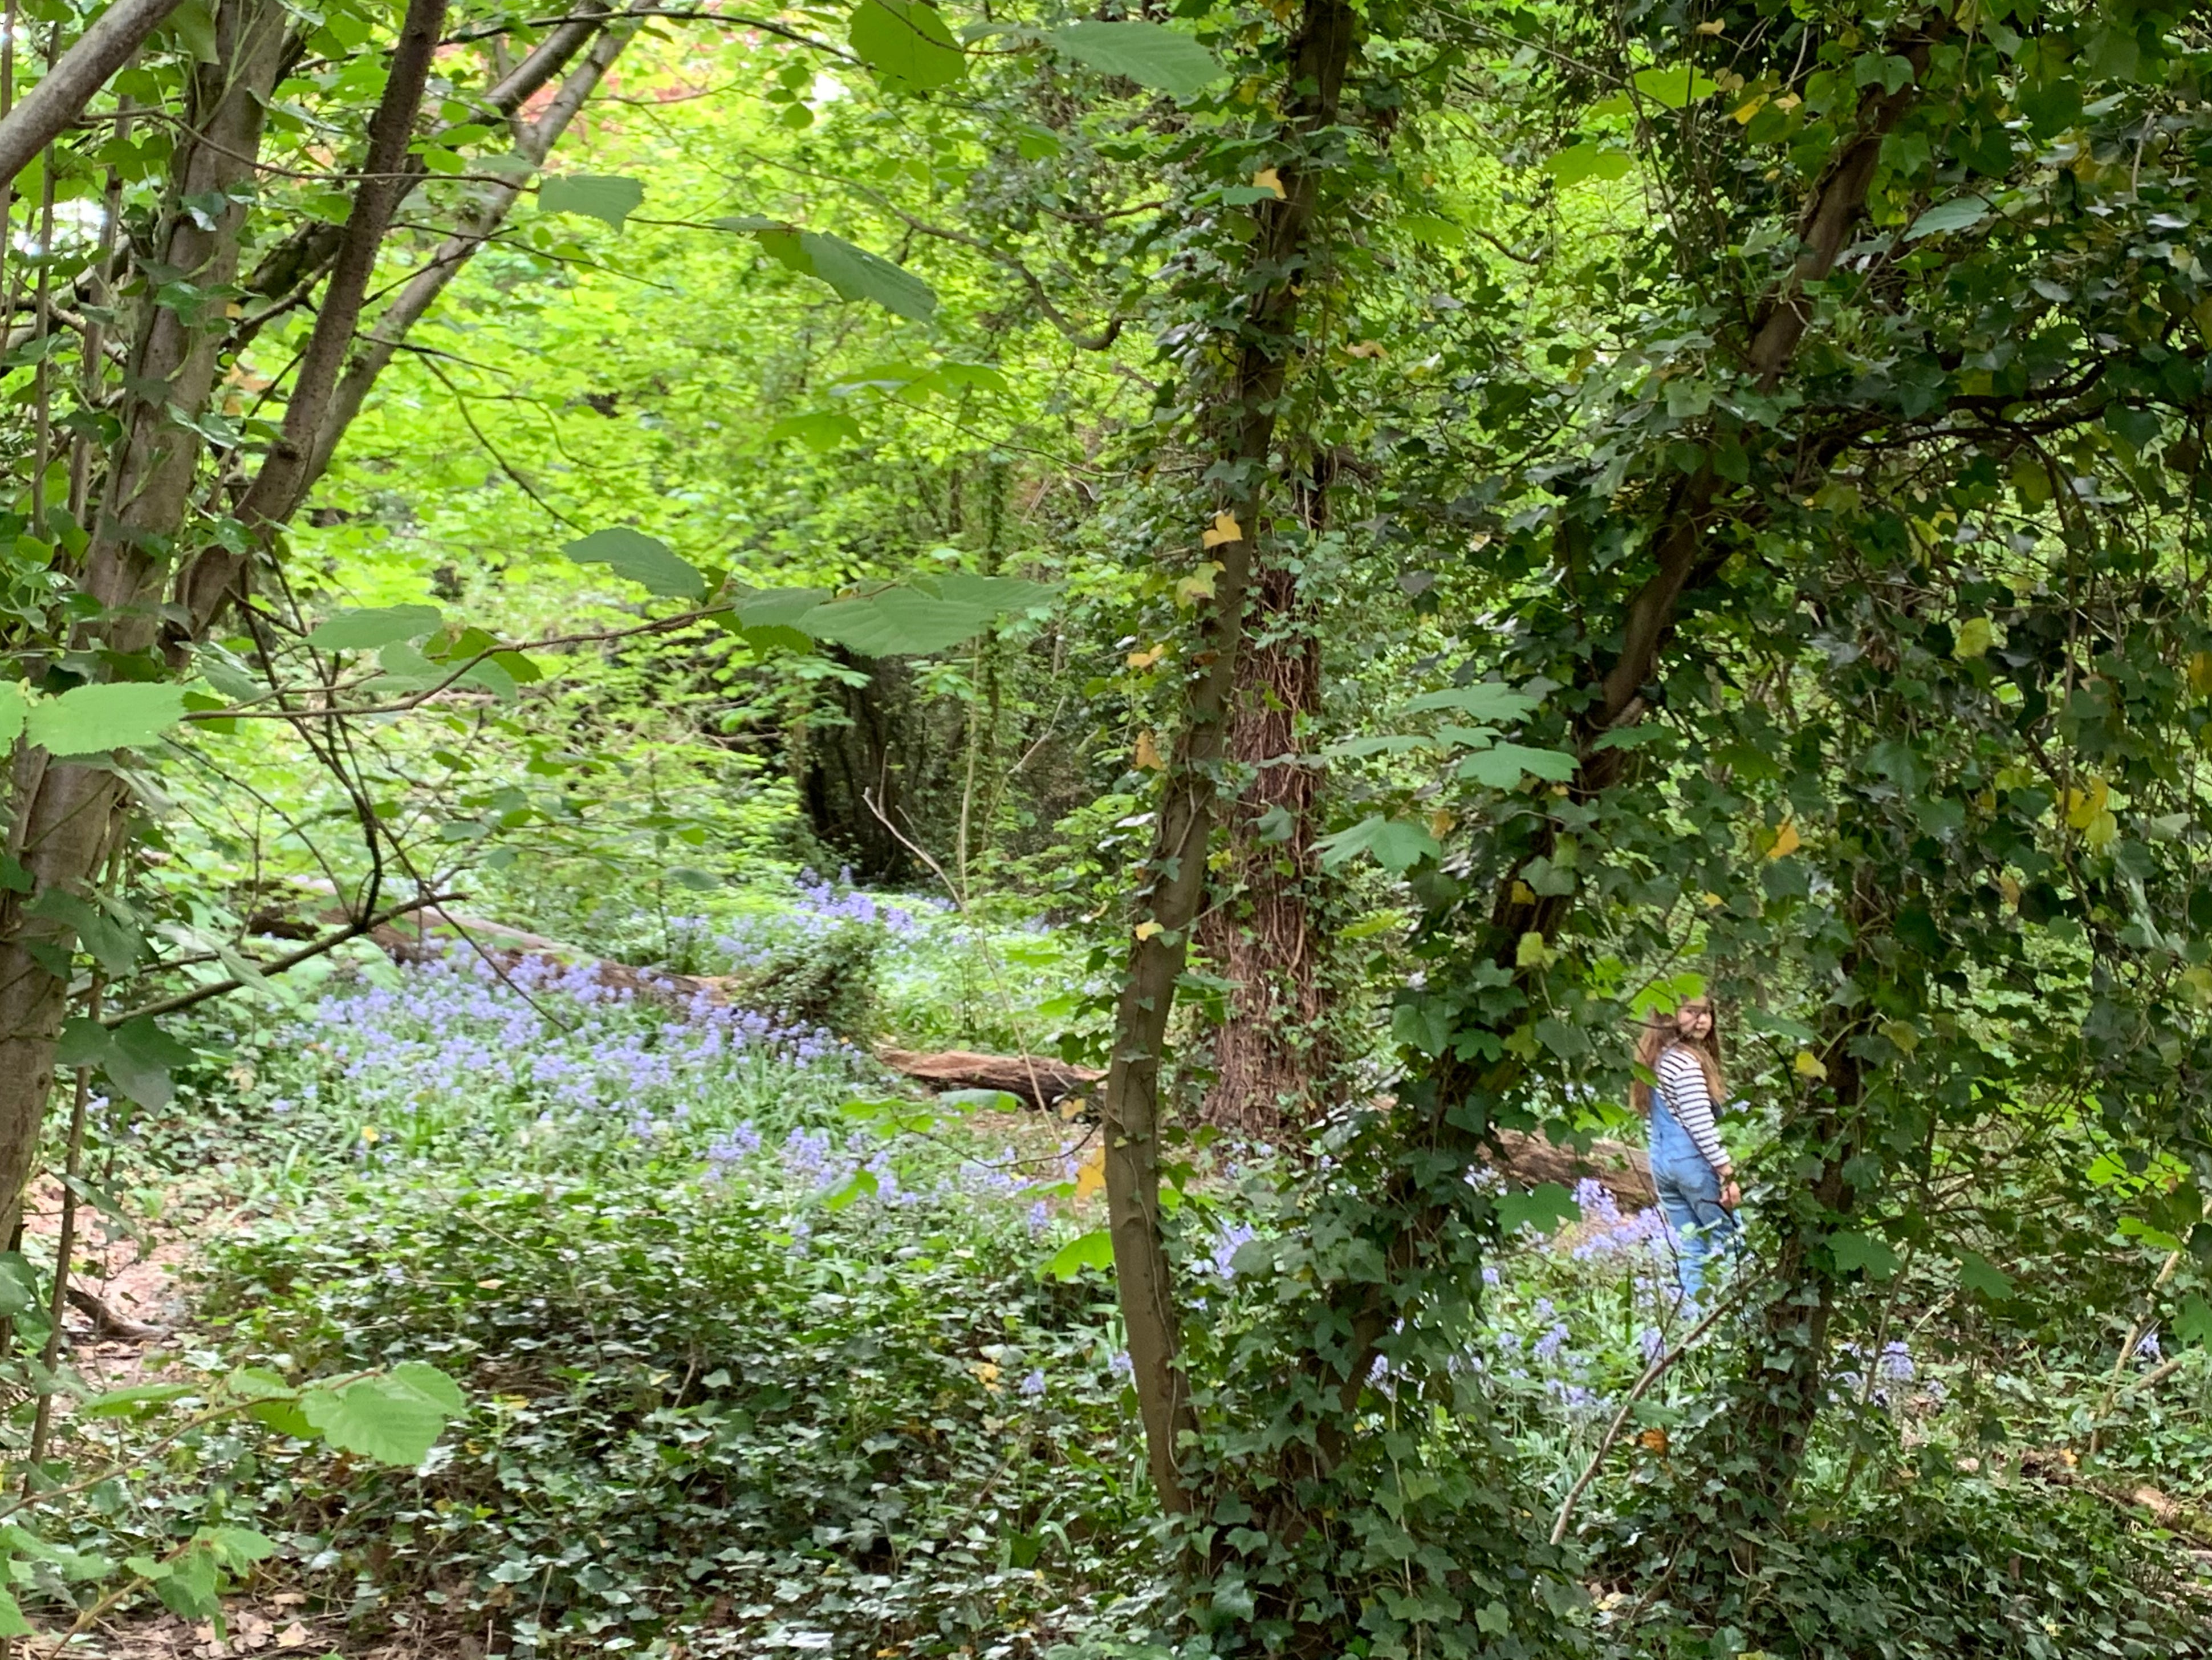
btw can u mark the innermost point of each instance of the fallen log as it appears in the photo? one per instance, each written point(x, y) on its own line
point(1622, 1170)
point(1040, 1082)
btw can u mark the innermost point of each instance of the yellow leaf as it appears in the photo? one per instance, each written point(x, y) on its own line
point(2101, 832)
point(1268, 180)
point(1523, 893)
point(1532, 952)
point(369, 1133)
point(1712, 26)
point(1148, 752)
point(2082, 806)
point(1146, 930)
point(1786, 841)
point(1975, 637)
point(1440, 822)
point(1194, 589)
point(988, 1375)
point(1225, 529)
point(1145, 659)
point(1090, 1175)
point(1714, 901)
point(1788, 101)
point(1749, 107)
point(1808, 1065)
point(1364, 349)
point(1905, 1036)
point(2200, 674)
point(2010, 888)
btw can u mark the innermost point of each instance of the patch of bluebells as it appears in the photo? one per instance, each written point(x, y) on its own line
point(572, 1048)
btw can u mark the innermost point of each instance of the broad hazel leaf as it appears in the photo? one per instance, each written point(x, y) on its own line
point(821, 431)
point(1960, 213)
point(1579, 163)
point(639, 558)
point(115, 715)
point(15, 710)
point(856, 274)
point(1501, 766)
point(12, 1623)
point(1675, 87)
point(1161, 58)
point(610, 198)
point(381, 625)
point(432, 1384)
point(1094, 1249)
point(386, 1418)
point(906, 44)
point(1543, 1206)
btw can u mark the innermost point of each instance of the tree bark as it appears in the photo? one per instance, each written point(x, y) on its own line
point(1271, 1051)
point(64, 811)
point(1173, 879)
point(75, 80)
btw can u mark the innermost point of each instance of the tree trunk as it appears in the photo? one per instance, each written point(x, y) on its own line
point(64, 812)
point(1172, 881)
point(1271, 1051)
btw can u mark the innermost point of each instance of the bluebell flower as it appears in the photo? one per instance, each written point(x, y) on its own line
point(1033, 1385)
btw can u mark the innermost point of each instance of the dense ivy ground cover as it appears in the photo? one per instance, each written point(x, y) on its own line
point(763, 1356)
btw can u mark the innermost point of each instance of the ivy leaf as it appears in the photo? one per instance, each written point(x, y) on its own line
point(114, 716)
point(1977, 1273)
point(378, 625)
point(1858, 1251)
point(237, 1548)
point(1958, 214)
point(1162, 59)
point(1500, 766)
point(1485, 700)
point(1094, 1249)
point(1396, 844)
point(608, 198)
point(906, 44)
point(636, 558)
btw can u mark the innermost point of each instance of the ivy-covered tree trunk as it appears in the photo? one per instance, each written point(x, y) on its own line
point(1262, 930)
point(1241, 414)
point(64, 811)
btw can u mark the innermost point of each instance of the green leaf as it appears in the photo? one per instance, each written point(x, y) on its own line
point(1500, 766)
point(1958, 214)
point(135, 1400)
point(1094, 1249)
point(856, 274)
point(378, 625)
point(915, 618)
point(2192, 1322)
point(1579, 163)
point(1977, 1273)
point(906, 44)
point(395, 1420)
point(1485, 700)
point(140, 1057)
point(861, 1184)
point(1165, 59)
point(821, 432)
point(114, 715)
point(237, 1548)
point(115, 946)
point(14, 709)
point(1858, 1251)
point(1396, 844)
point(258, 1383)
point(432, 1384)
point(1675, 86)
point(12, 1623)
point(639, 558)
point(1544, 1207)
point(609, 197)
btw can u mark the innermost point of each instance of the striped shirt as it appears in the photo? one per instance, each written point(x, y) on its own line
point(1683, 1081)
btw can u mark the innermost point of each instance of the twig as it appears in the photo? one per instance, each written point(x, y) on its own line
point(1651, 1374)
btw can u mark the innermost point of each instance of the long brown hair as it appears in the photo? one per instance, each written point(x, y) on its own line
point(1662, 1032)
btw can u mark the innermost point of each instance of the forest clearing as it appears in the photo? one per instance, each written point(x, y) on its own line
point(1164, 831)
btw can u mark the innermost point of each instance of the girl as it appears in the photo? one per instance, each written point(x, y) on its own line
point(1692, 1171)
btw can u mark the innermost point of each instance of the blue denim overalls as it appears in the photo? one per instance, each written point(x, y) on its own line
point(1689, 1198)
